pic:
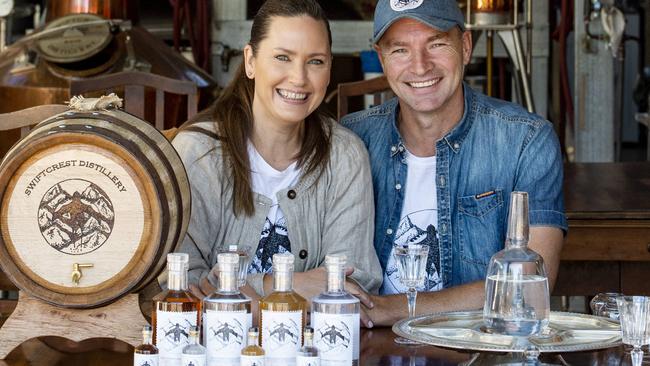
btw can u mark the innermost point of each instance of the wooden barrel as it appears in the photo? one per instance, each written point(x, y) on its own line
point(104, 194)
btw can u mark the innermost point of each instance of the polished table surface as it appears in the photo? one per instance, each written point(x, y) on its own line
point(377, 349)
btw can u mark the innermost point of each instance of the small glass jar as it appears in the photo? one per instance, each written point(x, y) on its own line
point(604, 304)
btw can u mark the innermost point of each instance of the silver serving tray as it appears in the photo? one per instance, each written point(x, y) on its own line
point(567, 332)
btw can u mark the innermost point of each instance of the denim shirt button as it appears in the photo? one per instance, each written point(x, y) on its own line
point(456, 146)
point(389, 231)
point(443, 228)
point(398, 186)
point(401, 148)
point(393, 148)
point(442, 181)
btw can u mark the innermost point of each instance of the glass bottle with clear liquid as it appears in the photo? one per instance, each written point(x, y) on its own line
point(308, 354)
point(226, 315)
point(282, 315)
point(252, 354)
point(145, 354)
point(335, 318)
point(516, 288)
point(194, 354)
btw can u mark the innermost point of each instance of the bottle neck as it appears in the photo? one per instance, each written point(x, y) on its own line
point(228, 282)
point(252, 339)
point(335, 279)
point(194, 338)
point(177, 280)
point(309, 341)
point(146, 338)
point(282, 281)
point(512, 243)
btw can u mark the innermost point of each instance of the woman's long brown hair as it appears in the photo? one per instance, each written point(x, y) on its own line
point(234, 117)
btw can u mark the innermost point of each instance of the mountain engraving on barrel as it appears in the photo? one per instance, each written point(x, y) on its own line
point(76, 216)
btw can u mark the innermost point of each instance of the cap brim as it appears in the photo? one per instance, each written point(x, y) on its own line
point(440, 24)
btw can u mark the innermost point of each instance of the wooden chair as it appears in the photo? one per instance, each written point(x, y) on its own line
point(377, 87)
point(134, 84)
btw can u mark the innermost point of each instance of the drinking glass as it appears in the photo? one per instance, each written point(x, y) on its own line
point(411, 262)
point(245, 258)
point(634, 312)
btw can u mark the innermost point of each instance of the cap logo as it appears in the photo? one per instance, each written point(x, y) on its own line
point(401, 5)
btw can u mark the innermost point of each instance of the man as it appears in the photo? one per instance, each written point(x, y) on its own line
point(444, 160)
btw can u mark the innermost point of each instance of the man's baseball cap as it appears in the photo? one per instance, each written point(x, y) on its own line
point(439, 14)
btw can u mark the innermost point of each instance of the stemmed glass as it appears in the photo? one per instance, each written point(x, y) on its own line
point(411, 262)
point(634, 314)
point(245, 258)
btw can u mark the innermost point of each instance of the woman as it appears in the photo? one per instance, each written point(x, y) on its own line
point(271, 171)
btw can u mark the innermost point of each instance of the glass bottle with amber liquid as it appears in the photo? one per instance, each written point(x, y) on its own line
point(226, 315)
point(174, 312)
point(252, 354)
point(145, 354)
point(282, 315)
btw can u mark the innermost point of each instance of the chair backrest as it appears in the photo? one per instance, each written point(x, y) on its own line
point(25, 119)
point(134, 84)
point(377, 87)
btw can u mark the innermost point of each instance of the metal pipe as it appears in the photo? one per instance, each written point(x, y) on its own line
point(528, 98)
point(529, 37)
point(489, 58)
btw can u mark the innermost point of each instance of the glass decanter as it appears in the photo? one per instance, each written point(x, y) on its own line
point(516, 288)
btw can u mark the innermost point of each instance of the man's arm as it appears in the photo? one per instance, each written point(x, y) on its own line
point(545, 240)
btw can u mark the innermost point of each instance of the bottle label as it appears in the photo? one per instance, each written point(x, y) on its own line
point(252, 361)
point(307, 361)
point(281, 333)
point(193, 360)
point(145, 360)
point(172, 332)
point(337, 337)
point(225, 333)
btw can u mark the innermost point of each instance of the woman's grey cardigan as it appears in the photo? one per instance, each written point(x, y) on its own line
point(331, 215)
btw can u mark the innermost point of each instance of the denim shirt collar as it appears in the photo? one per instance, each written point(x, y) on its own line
point(454, 138)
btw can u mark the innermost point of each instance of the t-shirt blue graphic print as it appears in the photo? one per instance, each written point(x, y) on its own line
point(274, 240)
point(417, 225)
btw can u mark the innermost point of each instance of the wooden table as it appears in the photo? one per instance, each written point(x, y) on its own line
point(608, 244)
point(377, 349)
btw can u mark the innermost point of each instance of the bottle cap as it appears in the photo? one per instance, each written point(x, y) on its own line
point(227, 262)
point(177, 262)
point(283, 262)
point(335, 260)
point(309, 332)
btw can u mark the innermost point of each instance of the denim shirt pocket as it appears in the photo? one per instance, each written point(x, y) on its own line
point(480, 221)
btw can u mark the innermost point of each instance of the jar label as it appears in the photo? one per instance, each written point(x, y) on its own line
point(225, 333)
point(145, 360)
point(252, 360)
point(172, 332)
point(307, 361)
point(337, 337)
point(193, 360)
point(281, 334)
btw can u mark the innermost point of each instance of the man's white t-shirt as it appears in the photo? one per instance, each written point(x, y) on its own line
point(418, 223)
point(268, 181)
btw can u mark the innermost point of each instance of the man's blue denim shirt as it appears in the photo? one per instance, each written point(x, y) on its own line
point(496, 148)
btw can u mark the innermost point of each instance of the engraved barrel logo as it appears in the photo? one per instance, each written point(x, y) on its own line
point(75, 216)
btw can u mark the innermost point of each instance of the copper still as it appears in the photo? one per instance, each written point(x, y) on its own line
point(87, 38)
point(489, 12)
